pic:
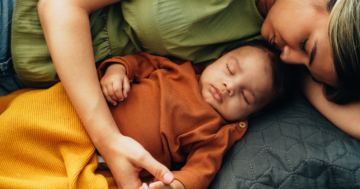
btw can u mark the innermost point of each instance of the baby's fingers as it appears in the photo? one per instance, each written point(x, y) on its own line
point(118, 91)
point(126, 87)
point(108, 97)
point(158, 185)
point(144, 186)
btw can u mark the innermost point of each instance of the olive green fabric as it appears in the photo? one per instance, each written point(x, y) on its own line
point(193, 30)
point(111, 34)
point(31, 57)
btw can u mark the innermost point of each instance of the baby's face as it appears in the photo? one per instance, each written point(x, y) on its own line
point(239, 83)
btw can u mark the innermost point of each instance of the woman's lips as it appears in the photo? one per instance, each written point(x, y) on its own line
point(216, 93)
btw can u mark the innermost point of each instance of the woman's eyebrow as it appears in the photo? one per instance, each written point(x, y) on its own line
point(313, 53)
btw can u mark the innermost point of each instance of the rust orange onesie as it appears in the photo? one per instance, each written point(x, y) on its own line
point(165, 112)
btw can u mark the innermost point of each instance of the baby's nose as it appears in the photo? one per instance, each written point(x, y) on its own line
point(229, 88)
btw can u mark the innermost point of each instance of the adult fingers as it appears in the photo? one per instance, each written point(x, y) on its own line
point(158, 170)
point(127, 176)
point(119, 152)
point(132, 181)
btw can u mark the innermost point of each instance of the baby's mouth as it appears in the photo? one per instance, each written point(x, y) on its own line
point(216, 93)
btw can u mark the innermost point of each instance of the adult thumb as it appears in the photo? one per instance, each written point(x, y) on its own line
point(158, 170)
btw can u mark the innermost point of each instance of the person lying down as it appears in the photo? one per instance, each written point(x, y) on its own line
point(181, 113)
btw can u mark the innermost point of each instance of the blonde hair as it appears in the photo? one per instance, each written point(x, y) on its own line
point(344, 36)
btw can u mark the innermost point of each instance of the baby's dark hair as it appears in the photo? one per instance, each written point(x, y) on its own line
point(281, 73)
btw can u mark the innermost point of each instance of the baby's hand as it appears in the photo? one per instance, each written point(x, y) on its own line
point(115, 84)
point(156, 185)
point(160, 185)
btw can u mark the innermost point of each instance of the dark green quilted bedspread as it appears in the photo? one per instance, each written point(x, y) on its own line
point(291, 147)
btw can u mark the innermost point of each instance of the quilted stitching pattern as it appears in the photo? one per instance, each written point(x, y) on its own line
point(291, 147)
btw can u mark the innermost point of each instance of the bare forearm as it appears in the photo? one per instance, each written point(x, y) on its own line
point(345, 117)
point(67, 31)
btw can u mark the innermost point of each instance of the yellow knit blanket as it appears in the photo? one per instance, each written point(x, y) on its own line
point(44, 145)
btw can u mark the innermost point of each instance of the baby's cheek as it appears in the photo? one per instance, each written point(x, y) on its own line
point(235, 110)
point(210, 100)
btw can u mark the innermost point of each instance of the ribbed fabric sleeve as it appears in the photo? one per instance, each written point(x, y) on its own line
point(205, 157)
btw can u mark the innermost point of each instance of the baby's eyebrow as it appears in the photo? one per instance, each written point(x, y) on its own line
point(237, 62)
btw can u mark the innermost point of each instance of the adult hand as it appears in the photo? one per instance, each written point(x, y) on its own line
point(126, 158)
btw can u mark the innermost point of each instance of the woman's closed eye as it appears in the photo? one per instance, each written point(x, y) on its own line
point(303, 44)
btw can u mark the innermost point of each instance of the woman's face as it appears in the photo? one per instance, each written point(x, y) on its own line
point(300, 29)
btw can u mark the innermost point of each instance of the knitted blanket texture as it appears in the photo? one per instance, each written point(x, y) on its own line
point(44, 144)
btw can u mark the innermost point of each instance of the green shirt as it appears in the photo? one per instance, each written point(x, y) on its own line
point(196, 30)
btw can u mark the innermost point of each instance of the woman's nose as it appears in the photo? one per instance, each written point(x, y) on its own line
point(291, 56)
